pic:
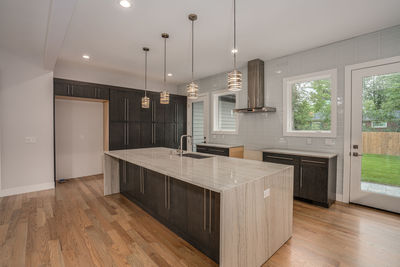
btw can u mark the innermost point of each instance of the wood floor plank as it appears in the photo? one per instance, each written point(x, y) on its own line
point(75, 225)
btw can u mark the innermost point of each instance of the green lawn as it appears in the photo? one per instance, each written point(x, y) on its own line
point(381, 169)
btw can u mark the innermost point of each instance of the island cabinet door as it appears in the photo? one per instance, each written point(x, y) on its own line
point(134, 181)
point(203, 220)
point(314, 179)
point(154, 191)
point(177, 204)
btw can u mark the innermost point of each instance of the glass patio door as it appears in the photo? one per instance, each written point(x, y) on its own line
point(198, 115)
point(375, 137)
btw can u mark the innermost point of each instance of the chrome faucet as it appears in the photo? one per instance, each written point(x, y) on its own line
point(180, 150)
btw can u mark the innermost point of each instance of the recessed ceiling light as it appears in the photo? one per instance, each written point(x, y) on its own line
point(86, 56)
point(169, 74)
point(125, 3)
point(234, 51)
point(278, 72)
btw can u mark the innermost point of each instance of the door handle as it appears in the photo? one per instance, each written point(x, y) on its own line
point(356, 154)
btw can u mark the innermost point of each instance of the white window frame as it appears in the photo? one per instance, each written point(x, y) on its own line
point(214, 99)
point(287, 103)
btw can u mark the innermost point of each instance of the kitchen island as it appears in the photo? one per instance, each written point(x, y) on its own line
point(238, 212)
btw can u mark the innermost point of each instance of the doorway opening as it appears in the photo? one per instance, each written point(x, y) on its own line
point(81, 133)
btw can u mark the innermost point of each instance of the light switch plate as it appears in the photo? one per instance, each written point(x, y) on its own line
point(30, 140)
point(266, 193)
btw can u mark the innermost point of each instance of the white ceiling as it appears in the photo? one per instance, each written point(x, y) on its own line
point(267, 29)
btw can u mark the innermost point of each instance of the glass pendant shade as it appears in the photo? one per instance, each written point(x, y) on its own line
point(192, 91)
point(164, 97)
point(145, 102)
point(235, 81)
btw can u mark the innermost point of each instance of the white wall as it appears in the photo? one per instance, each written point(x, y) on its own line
point(79, 138)
point(257, 131)
point(26, 110)
point(88, 73)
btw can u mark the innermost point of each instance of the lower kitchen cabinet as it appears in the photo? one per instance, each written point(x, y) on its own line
point(314, 177)
point(190, 211)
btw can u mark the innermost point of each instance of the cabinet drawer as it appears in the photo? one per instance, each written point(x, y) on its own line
point(201, 149)
point(213, 150)
point(280, 158)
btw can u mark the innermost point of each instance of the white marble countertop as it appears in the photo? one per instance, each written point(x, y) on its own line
point(219, 145)
point(300, 153)
point(216, 173)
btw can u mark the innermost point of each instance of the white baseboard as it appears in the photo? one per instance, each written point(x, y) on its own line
point(339, 197)
point(26, 189)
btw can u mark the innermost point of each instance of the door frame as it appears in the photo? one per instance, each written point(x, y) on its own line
point(347, 117)
point(206, 97)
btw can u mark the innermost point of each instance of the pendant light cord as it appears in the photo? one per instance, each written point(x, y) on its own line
point(145, 74)
point(192, 51)
point(165, 62)
point(234, 34)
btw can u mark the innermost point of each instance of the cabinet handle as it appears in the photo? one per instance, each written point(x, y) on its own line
point(169, 192)
point(165, 192)
point(204, 209)
point(152, 133)
point(127, 134)
point(127, 109)
point(209, 222)
point(274, 157)
point(155, 136)
point(124, 166)
point(312, 161)
point(301, 177)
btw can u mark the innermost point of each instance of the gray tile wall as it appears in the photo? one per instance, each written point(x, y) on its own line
point(257, 131)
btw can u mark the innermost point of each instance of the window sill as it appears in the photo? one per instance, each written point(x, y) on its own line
point(310, 134)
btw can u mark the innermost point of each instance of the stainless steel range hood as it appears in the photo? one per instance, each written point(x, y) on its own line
point(255, 89)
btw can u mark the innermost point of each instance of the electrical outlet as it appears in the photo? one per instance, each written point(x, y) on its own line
point(266, 193)
point(282, 140)
point(30, 140)
point(309, 141)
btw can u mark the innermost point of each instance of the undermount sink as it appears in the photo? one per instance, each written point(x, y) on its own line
point(195, 156)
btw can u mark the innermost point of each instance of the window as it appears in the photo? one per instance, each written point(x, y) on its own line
point(224, 119)
point(379, 124)
point(309, 105)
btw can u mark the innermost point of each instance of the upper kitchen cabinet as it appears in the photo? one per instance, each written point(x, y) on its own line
point(118, 105)
point(70, 88)
point(175, 111)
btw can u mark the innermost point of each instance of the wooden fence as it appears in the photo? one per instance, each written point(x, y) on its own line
point(387, 143)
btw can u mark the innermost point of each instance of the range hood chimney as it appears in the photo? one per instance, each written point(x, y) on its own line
point(255, 88)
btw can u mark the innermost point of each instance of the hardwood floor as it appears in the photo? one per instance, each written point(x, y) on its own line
point(75, 225)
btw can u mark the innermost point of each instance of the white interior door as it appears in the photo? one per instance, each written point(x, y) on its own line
point(198, 121)
point(375, 137)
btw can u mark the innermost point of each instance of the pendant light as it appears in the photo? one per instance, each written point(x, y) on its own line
point(192, 88)
point(164, 96)
point(145, 99)
point(235, 76)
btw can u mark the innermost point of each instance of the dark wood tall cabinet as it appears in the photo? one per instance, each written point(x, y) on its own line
point(159, 125)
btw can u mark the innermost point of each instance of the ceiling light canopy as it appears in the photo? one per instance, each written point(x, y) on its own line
point(235, 76)
point(169, 74)
point(192, 89)
point(164, 95)
point(125, 3)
